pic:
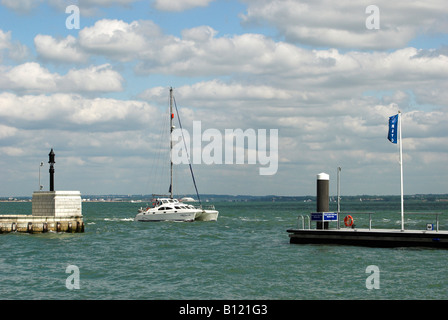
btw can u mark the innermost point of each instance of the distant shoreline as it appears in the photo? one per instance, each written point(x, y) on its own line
point(246, 198)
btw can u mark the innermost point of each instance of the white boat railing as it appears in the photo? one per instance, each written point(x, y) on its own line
point(207, 207)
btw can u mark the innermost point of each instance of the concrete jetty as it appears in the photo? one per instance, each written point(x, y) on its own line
point(58, 211)
point(350, 235)
point(371, 237)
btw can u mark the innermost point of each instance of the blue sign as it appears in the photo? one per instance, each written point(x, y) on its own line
point(328, 216)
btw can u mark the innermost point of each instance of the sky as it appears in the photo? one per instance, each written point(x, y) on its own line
point(91, 79)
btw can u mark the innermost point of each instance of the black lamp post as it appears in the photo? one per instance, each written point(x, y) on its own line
point(51, 162)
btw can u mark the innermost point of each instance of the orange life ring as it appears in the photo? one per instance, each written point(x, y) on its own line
point(348, 220)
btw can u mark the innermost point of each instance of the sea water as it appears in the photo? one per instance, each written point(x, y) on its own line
point(246, 254)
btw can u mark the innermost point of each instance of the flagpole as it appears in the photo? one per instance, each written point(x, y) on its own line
point(401, 171)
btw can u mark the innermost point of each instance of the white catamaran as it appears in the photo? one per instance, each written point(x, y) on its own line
point(167, 208)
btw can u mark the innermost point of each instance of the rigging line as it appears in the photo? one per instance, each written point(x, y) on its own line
point(188, 156)
point(159, 170)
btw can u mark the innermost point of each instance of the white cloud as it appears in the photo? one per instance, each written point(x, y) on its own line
point(63, 50)
point(92, 7)
point(342, 24)
point(7, 131)
point(14, 49)
point(110, 111)
point(5, 38)
point(199, 34)
point(200, 52)
point(93, 79)
point(20, 110)
point(179, 5)
point(105, 3)
point(91, 137)
point(29, 76)
point(220, 91)
point(33, 78)
point(88, 7)
point(117, 38)
point(23, 6)
point(282, 72)
point(329, 105)
point(12, 151)
point(72, 111)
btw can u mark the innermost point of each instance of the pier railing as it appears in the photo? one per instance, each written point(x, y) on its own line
point(304, 221)
point(427, 214)
point(334, 216)
point(343, 214)
point(302, 218)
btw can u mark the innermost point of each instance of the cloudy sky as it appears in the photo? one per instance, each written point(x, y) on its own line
point(325, 74)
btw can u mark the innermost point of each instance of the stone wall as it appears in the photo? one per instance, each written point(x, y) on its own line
point(57, 204)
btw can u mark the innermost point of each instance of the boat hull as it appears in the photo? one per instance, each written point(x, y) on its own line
point(153, 217)
point(169, 209)
point(207, 215)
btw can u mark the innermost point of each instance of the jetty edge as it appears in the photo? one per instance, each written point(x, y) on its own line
point(371, 238)
point(58, 211)
point(350, 235)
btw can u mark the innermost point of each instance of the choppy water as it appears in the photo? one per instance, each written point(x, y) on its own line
point(246, 254)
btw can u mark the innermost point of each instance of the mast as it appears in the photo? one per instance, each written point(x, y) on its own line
point(392, 137)
point(339, 193)
point(171, 142)
point(401, 171)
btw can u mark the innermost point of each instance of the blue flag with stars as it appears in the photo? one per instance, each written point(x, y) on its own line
point(393, 126)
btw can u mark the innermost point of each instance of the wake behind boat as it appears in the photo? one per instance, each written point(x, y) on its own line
point(167, 208)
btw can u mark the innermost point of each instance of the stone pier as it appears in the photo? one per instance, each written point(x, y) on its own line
point(59, 211)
